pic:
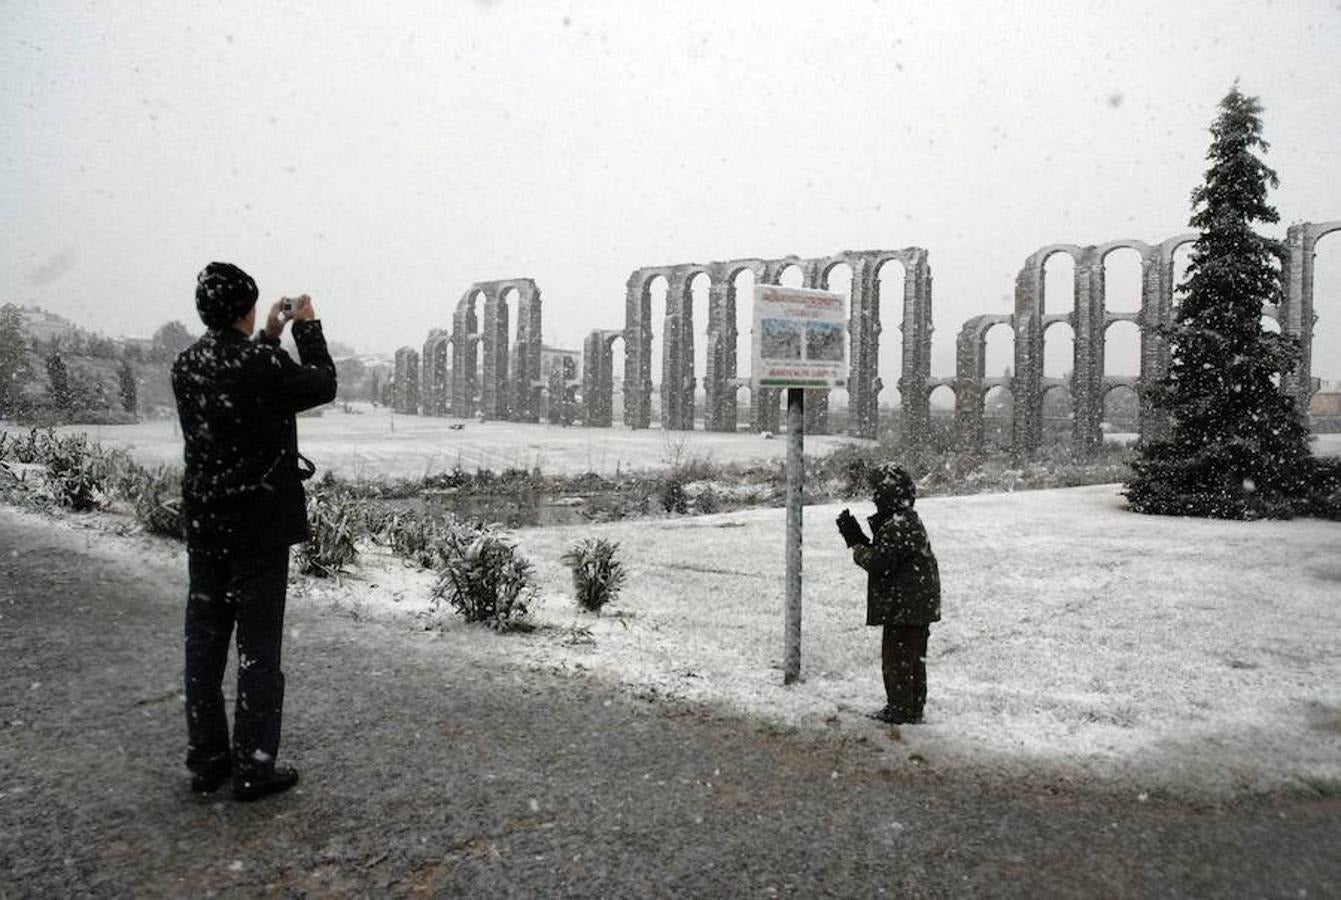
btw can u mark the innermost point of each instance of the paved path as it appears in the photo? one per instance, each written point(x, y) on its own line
point(426, 775)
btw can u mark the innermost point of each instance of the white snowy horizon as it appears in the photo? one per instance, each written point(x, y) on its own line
point(383, 159)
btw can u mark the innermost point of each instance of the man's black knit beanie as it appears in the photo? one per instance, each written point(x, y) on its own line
point(224, 294)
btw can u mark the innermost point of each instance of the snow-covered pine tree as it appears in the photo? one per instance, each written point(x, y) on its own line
point(129, 392)
point(62, 394)
point(1236, 446)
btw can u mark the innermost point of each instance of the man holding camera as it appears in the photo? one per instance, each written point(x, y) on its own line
point(243, 505)
point(903, 589)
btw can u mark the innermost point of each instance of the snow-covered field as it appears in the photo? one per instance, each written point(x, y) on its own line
point(372, 441)
point(377, 442)
point(1162, 654)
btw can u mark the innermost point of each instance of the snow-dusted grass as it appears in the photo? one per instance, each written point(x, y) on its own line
point(1162, 654)
point(376, 442)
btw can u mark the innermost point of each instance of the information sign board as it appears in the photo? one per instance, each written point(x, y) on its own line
point(800, 338)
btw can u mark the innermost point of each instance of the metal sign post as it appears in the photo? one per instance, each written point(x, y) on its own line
point(800, 341)
point(796, 482)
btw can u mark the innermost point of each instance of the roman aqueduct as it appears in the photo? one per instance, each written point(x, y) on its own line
point(475, 370)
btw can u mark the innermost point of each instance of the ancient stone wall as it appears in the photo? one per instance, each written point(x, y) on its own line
point(405, 387)
point(502, 381)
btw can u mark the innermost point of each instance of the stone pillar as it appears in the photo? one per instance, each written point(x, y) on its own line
point(767, 409)
point(494, 391)
point(465, 357)
point(637, 352)
point(916, 363)
point(720, 369)
point(863, 342)
point(434, 389)
point(597, 398)
point(1089, 323)
point(1156, 311)
point(970, 367)
point(677, 354)
point(1026, 383)
point(406, 396)
point(526, 377)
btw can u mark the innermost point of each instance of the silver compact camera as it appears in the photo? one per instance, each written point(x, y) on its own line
point(286, 307)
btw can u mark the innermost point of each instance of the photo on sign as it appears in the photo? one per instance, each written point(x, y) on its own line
point(824, 341)
point(781, 339)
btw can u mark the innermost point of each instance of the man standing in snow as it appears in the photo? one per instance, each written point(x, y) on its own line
point(903, 589)
point(243, 504)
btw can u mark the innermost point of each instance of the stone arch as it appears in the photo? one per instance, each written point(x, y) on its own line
point(1124, 417)
point(866, 332)
point(638, 335)
point(943, 427)
point(1298, 313)
point(1109, 256)
point(998, 413)
point(598, 371)
point(1027, 421)
point(837, 274)
point(510, 379)
point(1120, 364)
point(970, 376)
point(727, 367)
point(465, 344)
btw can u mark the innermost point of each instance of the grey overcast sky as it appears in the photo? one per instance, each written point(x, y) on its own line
point(383, 156)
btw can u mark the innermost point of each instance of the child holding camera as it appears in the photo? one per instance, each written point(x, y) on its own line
point(903, 589)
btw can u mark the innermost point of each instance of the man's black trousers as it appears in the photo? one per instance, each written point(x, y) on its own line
point(903, 662)
point(246, 591)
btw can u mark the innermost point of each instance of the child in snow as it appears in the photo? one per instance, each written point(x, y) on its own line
point(903, 589)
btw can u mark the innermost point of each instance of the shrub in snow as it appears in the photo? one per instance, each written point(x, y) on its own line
point(33, 448)
point(158, 502)
point(597, 575)
point(1324, 497)
point(421, 539)
point(74, 473)
point(707, 500)
point(483, 577)
point(671, 493)
point(333, 520)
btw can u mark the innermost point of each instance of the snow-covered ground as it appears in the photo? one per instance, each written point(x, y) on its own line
point(1166, 654)
point(1080, 640)
point(375, 441)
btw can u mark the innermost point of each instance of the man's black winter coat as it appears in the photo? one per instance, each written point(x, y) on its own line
point(236, 399)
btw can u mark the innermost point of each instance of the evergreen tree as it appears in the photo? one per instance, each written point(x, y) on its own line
point(59, 377)
point(13, 366)
point(1236, 446)
point(129, 392)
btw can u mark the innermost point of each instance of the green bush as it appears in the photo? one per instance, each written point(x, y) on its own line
point(74, 473)
point(333, 520)
point(158, 502)
point(33, 448)
point(418, 537)
point(1324, 491)
point(597, 575)
point(483, 577)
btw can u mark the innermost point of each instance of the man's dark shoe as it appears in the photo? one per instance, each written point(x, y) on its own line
point(210, 780)
point(894, 717)
point(258, 786)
